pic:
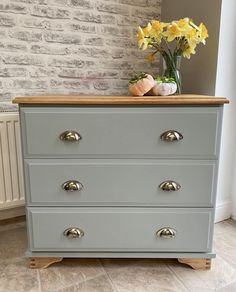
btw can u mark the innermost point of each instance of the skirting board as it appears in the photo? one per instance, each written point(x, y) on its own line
point(223, 211)
point(234, 216)
point(12, 212)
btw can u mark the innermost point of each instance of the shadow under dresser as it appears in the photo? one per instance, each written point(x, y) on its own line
point(120, 176)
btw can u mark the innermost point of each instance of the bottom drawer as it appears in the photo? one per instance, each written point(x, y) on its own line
point(120, 229)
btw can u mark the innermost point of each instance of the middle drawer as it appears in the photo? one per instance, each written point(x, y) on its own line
point(127, 182)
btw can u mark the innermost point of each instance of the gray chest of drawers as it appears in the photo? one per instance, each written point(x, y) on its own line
point(120, 176)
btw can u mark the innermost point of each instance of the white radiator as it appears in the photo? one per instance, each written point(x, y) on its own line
point(11, 173)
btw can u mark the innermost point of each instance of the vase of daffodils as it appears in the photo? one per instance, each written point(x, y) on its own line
point(184, 36)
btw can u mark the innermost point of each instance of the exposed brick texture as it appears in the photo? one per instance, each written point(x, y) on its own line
point(72, 46)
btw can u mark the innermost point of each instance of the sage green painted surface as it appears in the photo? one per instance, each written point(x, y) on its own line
point(127, 182)
point(120, 229)
point(121, 131)
point(120, 161)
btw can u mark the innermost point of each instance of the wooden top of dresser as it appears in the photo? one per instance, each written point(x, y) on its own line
point(190, 99)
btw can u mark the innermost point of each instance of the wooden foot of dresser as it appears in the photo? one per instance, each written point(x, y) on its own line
point(42, 263)
point(197, 264)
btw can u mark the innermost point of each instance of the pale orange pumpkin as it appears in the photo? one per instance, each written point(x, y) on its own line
point(141, 84)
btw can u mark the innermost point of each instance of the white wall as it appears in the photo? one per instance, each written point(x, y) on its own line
point(226, 86)
point(213, 71)
point(198, 73)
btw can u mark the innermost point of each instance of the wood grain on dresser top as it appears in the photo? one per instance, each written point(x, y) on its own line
point(107, 100)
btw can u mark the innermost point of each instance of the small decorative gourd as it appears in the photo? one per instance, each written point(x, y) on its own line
point(164, 86)
point(141, 84)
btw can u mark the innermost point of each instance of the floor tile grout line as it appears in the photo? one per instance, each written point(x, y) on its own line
point(39, 281)
point(196, 272)
point(228, 263)
point(138, 260)
point(77, 283)
point(228, 285)
point(81, 282)
point(232, 222)
point(222, 259)
point(177, 276)
point(226, 260)
point(108, 276)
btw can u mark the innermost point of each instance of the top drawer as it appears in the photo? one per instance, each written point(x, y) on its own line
point(121, 131)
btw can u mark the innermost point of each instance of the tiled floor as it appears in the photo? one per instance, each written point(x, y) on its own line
point(120, 275)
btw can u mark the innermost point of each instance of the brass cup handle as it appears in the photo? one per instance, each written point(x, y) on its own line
point(72, 186)
point(169, 185)
point(73, 232)
point(70, 136)
point(171, 135)
point(166, 232)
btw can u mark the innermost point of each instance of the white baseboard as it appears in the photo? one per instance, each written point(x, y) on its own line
point(12, 213)
point(234, 212)
point(223, 211)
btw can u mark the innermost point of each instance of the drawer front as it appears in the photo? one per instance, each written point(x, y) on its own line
point(132, 132)
point(120, 229)
point(120, 182)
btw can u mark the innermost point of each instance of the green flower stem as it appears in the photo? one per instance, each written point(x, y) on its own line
point(171, 69)
point(168, 48)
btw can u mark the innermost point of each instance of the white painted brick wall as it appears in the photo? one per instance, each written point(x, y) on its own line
point(71, 46)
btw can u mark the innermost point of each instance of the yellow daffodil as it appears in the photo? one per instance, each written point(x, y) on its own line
point(151, 58)
point(189, 51)
point(147, 29)
point(140, 34)
point(156, 31)
point(193, 24)
point(140, 37)
point(183, 25)
point(183, 22)
point(142, 40)
point(172, 32)
point(183, 32)
point(158, 26)
point(144, 44)
point(192, 36)
point(143, 36)
point(203, 33)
